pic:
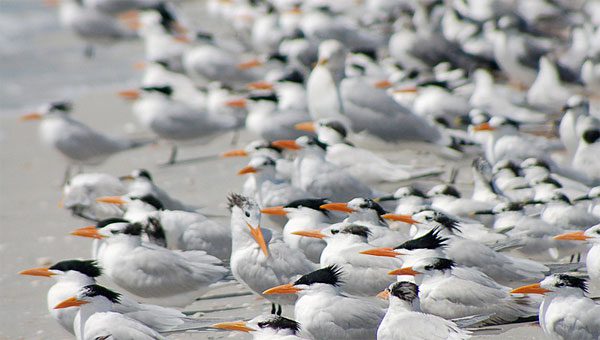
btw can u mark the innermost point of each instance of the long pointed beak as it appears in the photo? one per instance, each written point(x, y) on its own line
point(404, 271)
point(484, 127)
point(247, 170)
point(31, 116)
point(259, 238)
point(288, 144)
point(111, 200)
point(384, 295)
point(259, 85)
point(250, 64)
point(240, 326)
point(235, 153)
point(572, 236)
point(274, 211)
point(305, 126)
point(400, 218)
point(70, 302)
point(129, 94)
point(530, 289)
point(343, 207)
point(283, 289)
point(37, 272)
point(126, 178)
point(383, 84)
point(90, 232)
point(408, 89)
point(237, 103)
point(384, 198)
point(386, 252)
point(310, 233)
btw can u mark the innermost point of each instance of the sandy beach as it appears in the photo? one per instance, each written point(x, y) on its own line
point(35, 229)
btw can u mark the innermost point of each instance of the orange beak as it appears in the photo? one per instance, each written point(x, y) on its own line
point(129, 94)
point(404, 271)
point(530, 289)
point(182, 39)
point(259, 238)
point(247, 170)
point(259, 85)
point(306, 126)
point(408, 89)
point(240, 326)
point(235, 153)
point(237, 103)
point(484, 127)
point(70, 302)
point(140, 65)
point(383, 84)
point(274, 211)
point(385, 252)
point(250, 64)
point(90, 232)
point(573, 236)
point(111, 200)
point(384, 295)
point(31, 116)
point(343, 207)
point(310, 233)
point(37, 272)
point(288, 144)
point(283, 289)
point(400, 218)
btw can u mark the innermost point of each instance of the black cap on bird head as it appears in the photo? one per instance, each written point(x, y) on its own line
point(86, 267)
point(330, 275)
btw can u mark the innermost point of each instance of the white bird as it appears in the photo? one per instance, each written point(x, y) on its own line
point(300, 214)
point(362, 276)
point(259, 258)
point(584, 159)
point(80, 193)
point(325, 313)
point(575, 107)
point(77, 142)
point(404, 319)
point(153, 272)
point(566, 312)
point(410, 200)
point(265, 327)
point(446, 198)
point(592, 262)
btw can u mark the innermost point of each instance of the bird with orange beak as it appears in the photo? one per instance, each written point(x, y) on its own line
point(265, 327)
point(592, 263)
point(566, 312)
point(259, 258)
point(325, 313)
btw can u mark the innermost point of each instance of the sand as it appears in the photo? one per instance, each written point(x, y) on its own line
point(34, 229)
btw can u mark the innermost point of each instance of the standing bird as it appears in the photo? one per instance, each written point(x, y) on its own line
point(77, 142)
point(325, 313)
point(592, 262)
point(565, 313)
point(404, 319)
point(265, 327)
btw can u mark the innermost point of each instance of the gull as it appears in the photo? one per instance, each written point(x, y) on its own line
point(325, 313)
point(591, 235)
point(75, 141)
point(265, 327)
point(404, 319)
point(259, 258)
point(566, 312)
point(300, 214)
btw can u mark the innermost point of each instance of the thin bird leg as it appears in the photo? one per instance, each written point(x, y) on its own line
point(272, 308)
point(67, 175)
point(173, 156)
point(279, 310)
point(89, 51)
point(235, 137)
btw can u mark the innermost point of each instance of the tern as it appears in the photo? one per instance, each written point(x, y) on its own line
point(566, 312)
point(591, 235)
point(81, 191)
point(404, 319)
point(325, 313)
point(265, 327)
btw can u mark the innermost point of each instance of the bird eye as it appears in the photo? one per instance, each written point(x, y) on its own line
point(247, 214)
point(428, 267)
point(114, 232)
point(334, 231)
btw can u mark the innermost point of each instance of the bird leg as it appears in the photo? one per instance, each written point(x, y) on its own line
point(173, 156)
point(88, 52)
point(235, 137)
point(279, 310)
point(67, 175)
point(272, 308)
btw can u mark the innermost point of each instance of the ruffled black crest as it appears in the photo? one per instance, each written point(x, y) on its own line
point(237, 200)
point(431, 240)
point(152, 200)
point(111, 220)
point(64, 106)
point(404, 290)
point(166, 90)
point(87, 267)
point(338, 127)
point(97, 290)
point(134, 229)
point(440, 264)
point(143, 173)
point(355, 229)
point(330, 275)
point(312, 203)
point(572, 281)
point(279, 322)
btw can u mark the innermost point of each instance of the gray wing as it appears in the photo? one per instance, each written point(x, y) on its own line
point(82, 143)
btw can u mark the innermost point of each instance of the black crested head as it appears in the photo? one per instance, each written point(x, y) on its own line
point(155, 232)
point(369, 52)
point(86, 267)
point(167, 90)
point(279, 322)
point(404, 290)
point(240, 201)
point(111, 220)
point(273, 147)
point(278, 56)
point(151, 200)
point(370, 204)
point(356, 229)
point(167, 17)
point(565, 280)
point(204, 36)
point(433, 82)
point(134, 229)
point(97, 290)
point(294, 76)
point(264, 96)
point(591, 136)
point(143, 173)
point(431, 240)
point(439, 263)
point(449, 190)
point(338, 127)
point(317, 142)
point(63, 106)
point(330, 275)
point(312, 203)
